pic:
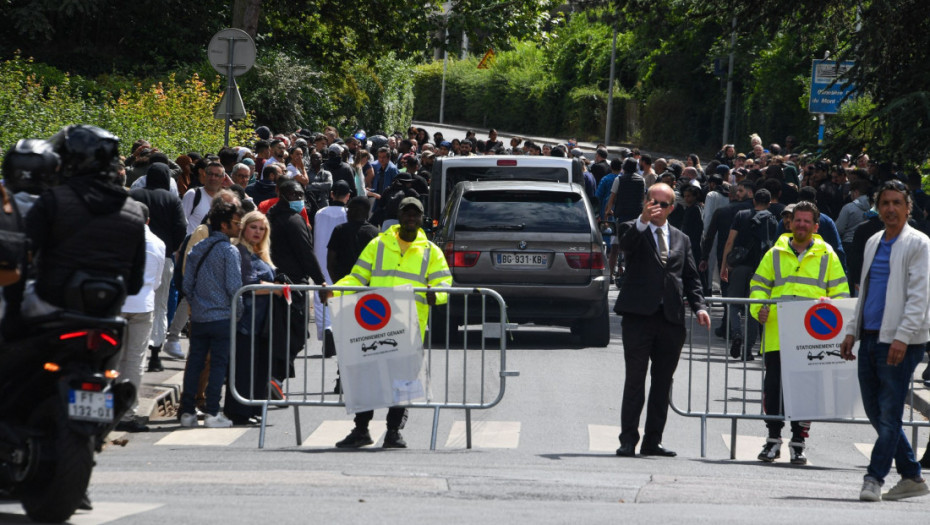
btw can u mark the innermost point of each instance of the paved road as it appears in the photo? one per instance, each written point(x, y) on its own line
point(544, 455)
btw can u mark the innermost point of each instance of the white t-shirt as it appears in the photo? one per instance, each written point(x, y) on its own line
point(144, 301)
point(195, 215)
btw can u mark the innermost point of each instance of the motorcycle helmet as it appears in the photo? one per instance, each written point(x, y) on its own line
point(30, 166)
point(86, 150)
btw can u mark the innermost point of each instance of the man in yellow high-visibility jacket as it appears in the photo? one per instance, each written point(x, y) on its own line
point(799, 265)
point(401, 255)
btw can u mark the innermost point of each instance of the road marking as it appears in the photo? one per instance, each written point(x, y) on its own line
point(331, 431)
point(179, 479)
point(866, 450)
point(485, 434)
point(748, 448)
point(203, 437)
point(603, 438)
point(104, 512)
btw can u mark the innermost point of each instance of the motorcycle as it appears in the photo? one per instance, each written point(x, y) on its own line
point(59, 398)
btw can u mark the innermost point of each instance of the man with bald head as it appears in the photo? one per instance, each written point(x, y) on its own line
point(660, 270)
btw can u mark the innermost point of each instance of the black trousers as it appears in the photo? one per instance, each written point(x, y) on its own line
point(648, 338)
point(773, 403)
point(396, 418)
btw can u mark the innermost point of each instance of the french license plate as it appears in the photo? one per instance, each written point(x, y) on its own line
point(522, 259)
point(90, 406)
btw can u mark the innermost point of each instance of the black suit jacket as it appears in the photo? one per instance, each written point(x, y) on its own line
point(648, 285)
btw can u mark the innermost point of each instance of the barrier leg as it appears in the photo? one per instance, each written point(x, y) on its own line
point(432, 439)
point(733, 438)
point(468, 428)
point(297, 425)
point(264, 425)
point(703, 436)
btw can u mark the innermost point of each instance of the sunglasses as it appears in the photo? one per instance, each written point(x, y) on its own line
point(662, 205)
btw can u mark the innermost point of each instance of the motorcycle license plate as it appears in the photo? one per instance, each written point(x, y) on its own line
point(90, 406)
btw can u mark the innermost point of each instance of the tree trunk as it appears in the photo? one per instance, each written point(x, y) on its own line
point(245, 15)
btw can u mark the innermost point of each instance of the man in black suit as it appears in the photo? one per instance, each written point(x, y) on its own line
point(660, 271)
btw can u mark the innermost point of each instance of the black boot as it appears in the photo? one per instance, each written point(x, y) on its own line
point(154, 360)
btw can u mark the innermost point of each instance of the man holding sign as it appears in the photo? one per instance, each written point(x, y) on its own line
point(800, 264)
point(892, 323)
point(402, 255)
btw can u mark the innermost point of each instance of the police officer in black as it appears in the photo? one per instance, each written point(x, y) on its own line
point(86, 227)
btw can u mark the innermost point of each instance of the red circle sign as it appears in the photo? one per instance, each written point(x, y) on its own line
point(372, 312)
point(823, 321)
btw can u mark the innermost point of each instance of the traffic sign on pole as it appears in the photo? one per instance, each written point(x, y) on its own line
point(829, 86)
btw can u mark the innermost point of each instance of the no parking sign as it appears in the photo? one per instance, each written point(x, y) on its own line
point(817, 382)
point(378, 347)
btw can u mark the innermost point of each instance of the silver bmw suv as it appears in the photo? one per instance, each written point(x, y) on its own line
point(537, 244)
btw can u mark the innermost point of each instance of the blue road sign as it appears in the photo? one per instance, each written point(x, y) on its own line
point(828, 87)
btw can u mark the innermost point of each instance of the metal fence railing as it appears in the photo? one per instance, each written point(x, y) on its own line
point(716, 386)
point(463, 371)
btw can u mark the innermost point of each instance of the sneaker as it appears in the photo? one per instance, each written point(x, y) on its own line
point(736, 348)
point(871, 491)
point(393, 439)
point(359, 437)
point(277, 392)
point(155, 364)
point(189, 421)
point(797, 452)
point(173, 349)
point(771, 451)
point(907, 488)
point(217, 421)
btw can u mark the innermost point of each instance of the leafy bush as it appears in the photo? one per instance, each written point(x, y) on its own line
point(286, 93)
point(376, 98)
point(176, 116)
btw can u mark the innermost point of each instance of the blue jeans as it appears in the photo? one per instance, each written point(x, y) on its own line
point(212, 338)
point(884, 389)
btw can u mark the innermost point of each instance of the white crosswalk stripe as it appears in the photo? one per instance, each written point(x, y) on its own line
point(485, 434)
point(748, 448)
point(203, 437)
point(330, 431)
point(866, 450)
point(104, 512)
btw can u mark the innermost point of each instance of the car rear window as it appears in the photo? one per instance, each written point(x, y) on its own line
point(526, 211)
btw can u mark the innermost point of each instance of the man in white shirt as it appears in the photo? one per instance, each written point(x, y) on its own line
point(326, 221)
point(139, 310)
point(196, 207)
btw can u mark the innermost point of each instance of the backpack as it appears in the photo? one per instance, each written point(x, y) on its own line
point(753, 240)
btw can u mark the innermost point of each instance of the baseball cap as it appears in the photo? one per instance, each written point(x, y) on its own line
point(341, 187)
point(789, 209)
point(335, 149)
point(411, 201)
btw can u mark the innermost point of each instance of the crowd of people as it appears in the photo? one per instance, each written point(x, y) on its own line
point(301, 207)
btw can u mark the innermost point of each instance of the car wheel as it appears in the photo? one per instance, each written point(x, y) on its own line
point(595, 331)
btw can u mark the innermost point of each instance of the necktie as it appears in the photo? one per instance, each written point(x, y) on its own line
point(663, 246)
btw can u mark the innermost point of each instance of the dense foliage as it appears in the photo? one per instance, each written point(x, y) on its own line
point(175, 116)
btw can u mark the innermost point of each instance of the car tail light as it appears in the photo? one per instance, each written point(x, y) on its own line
point(593, 260)
point(460, 259)
point(507, 162)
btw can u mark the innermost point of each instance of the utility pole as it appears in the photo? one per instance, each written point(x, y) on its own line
point(610, 89)
point(726, 110)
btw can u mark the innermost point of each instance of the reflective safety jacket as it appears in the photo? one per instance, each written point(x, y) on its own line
point(781, 276)
point(382, 265)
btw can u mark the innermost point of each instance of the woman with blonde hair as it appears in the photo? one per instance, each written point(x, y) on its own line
point(251, 380)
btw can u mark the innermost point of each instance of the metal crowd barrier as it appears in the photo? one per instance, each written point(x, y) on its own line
point(718, 386)
point(460, 374)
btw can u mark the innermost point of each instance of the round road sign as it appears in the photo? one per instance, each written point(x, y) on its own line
point(372, 312)
point(243, 53)
point(823, 321)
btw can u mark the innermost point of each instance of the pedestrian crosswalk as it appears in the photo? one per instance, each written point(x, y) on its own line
point(485, 435)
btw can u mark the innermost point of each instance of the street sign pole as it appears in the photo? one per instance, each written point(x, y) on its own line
point(822, 120)
point(230, 87)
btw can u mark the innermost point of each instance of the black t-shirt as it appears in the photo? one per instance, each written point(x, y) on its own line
point(347, 241)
